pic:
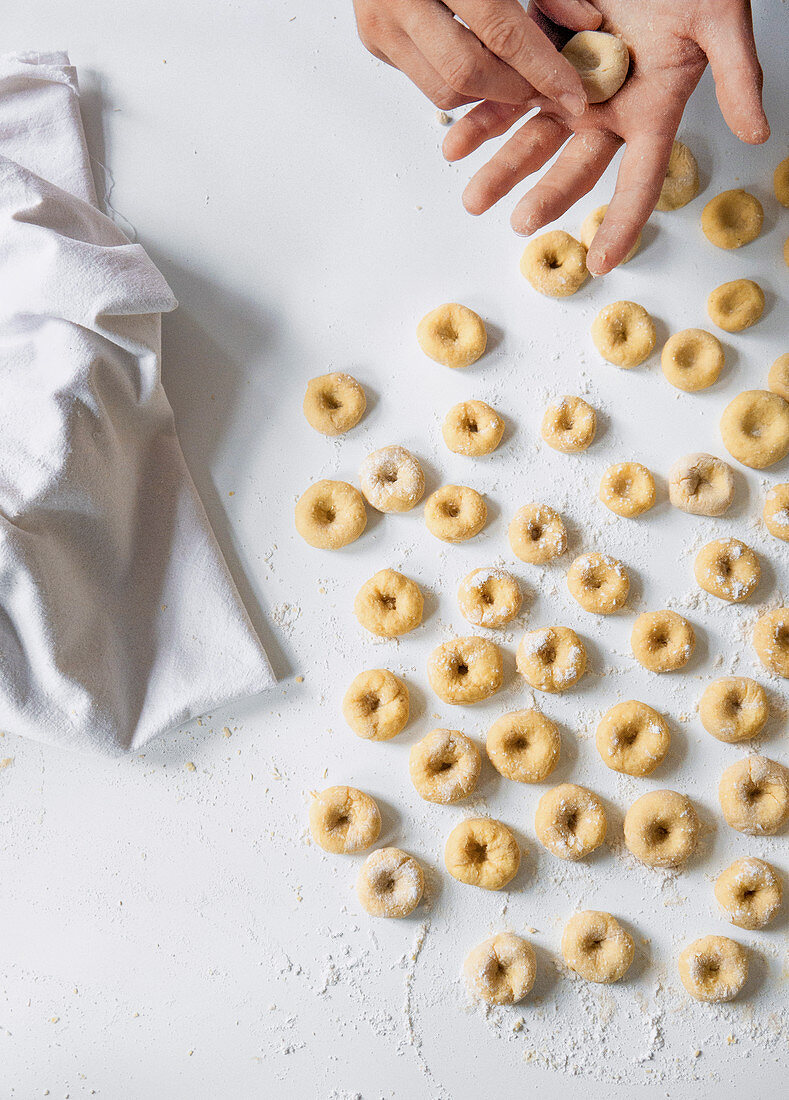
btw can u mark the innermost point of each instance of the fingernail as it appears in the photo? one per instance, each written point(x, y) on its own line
point(572, 103)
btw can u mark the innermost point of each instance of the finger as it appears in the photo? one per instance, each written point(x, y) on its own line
point(526, 151)
point(404, 55)
point(484, 121)
point(577, 15)
point(512, 35)
point(638, 185)
point(575, 172)
point(738, 80)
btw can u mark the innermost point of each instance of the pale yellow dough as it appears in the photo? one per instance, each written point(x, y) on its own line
point(778, 377)
point(472, 428)
point(392, 479)
point(555, 264)
point(444, 766)
point(749, 892)
point(728, 569)
point(776, 511)
point(524, 746)
point(624, 334)
point(537, 534)
point(334, 403)
point(389, 604)
point(701, 484)
point(662, 641)
point(734, 708)
point(330, 514)
point(713, 968)
point(390, 883)
point(602, 62)
point(344, 820)
point(781, 182)
point(662, 829)
point(628, 489)
point(681, 184)
point(732, 219)
point(569, 424)
point(465, 670)
point(771, 640)
point(737, 305)
point(599, 583)
point(501, 970)
point(376, 705)
point(453, 335)
point(754, 796)
point(570, 821)
point(755, 428)
point(592, 223)
point(632, 738)
point(552, 659)
point(482, 852)
point(692, 359)
point(489, 597)
point(596, 946)
point(455, 513)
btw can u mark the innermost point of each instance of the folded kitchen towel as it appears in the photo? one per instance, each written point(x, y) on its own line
point(118, 616)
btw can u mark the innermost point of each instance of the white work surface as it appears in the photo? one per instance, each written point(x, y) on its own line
point(167, 928)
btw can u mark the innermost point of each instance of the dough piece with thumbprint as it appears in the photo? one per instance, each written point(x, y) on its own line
point(692, 359)
point(489, 597)
point(599, 583)
point(632, 738)
point(389, 604)
point(390, 883)
point(713, 969)
point(453, 335)
point(392, 479)
point(482, 852)
point(455, 513)
point(734, 708)
point(592, 223)
point(330, 514)
point(754, 796)
point(537, 534)
point(755, 428)
point(597, 947)
point(569, 424)
point(570, 821)
point(701, 484)
point(601, 60)
point(771, 640)
point(501, 970)
point(736, 305)
point(776, 511)
point(344, 820)
point(662, 829)
point(472, 428)
point(334, 403)
point(376, 705)
point(778, 376)
point(728, 569)
point(524, 746)
point(624, 334)
point(444, 766)
point(555, 264)
point(681, 184)
point(465, 670)
point(628, 489)
point(781, 182)
point(552, 659)
point(749, 892)
point(732, 219)
point(662, 641)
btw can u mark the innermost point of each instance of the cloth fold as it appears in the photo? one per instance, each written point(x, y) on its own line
point(118, 616)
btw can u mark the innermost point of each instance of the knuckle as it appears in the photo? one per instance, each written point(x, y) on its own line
point(504, 38)
point(461, 72)
point(446, 98)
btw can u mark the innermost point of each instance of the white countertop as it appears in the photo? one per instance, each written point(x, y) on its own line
point(167, 928)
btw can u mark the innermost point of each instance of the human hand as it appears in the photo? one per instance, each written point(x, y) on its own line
point(670, 42)
point(501, 54)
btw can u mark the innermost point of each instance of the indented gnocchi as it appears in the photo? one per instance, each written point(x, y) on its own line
point(776, 511)
point(778, 376)
point(472, 428)
point(601, 60)
point(692, 359)
point(344, 820)
point(537, 534)
point(330, 514)
point(596, 946)
point(555, 264)
point(728, 569)
point(569, 424)
point(749, 892)
point(592, 223)
point(392, 479)
point(734, 708)
point(524, 746)
point(390, 883)
point(632, 738)
point(754, 796)
point(551, 659)
point(628, 489)
point(334, 403)
point(482, 852)
point(662, 829)
point(389, 604)
point(570, 821)
point(713, 968)
point(376, 705)
point(489, 597)
point(465, 670)
point(624, 334)
point(701, 484)
point(453, 335)
point(736, 305)
point(781, 182)
point(501, 970)
point(599, 583)
point(732, 219)
point(444, 766)
point(455, 513)
point(662, 641)
point(681, 184)
point(771, 640)
point(755, 428)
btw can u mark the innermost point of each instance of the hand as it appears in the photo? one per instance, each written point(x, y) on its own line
point(501, 54)
point(670, 42)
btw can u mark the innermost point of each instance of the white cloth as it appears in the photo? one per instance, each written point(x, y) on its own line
point(118, 616)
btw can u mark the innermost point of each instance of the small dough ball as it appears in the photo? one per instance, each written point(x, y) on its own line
point(599, 583)
point(596, 946)
point(482, 852)
point(737, 305)
point(501, 970)
point(334, 403)
point(555, 264)
point(537, 534)
point(570, 821)
point(662, 829)
point(376, 705)
point(524, 746)
point(624, 334)
point(662, 641)
point(389, 604)
point(330, 514)
point(392, 479)
point(701, 484)
point(472, 428)
point(734, 708)
point(681, 184)
point(776, 511)
point(728, 569)
point(465, 670)
point(627, 488)
point(489, 597)
point(692, 359)
point(632, 738)
point(771, 640)
point(778, 377)
point(732, 219)
point(569, 424)
point(444, 766)
point(755, 428)
point(390, 883)
point(455, 513)
point(344, 820)
point(749, 892)
point(551, 659)
point(781, 182)
point(754, 796)
point(713, 968)
point(592, 223)
point(601, 60)
point(453, 335)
